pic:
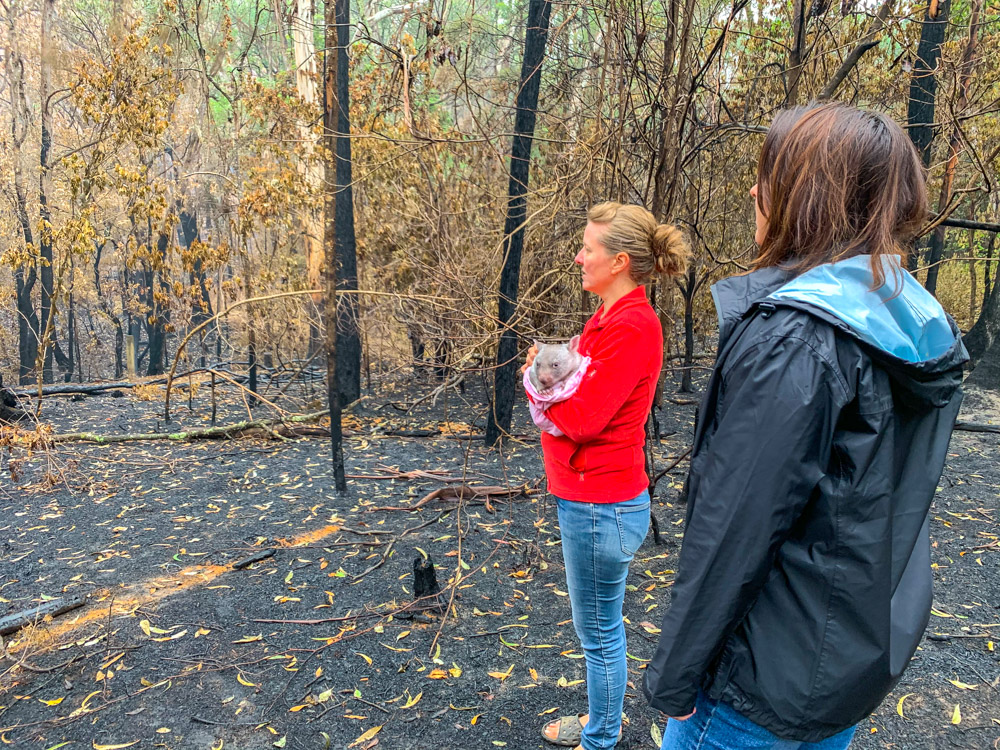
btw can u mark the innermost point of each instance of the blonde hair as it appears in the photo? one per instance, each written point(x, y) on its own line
point(651, 247)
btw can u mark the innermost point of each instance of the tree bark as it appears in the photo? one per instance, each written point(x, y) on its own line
point(987, 286)
point(923, 88)
point(25, 275)
point(986, 330)
point(348, 339)
point(46, 325)
point(987, 372)
point(158, 315)
point(936, 246)
point(108, 312)
point(688, 290)
point(505, 378)
point(331, 119)
point(307, 85)
point(796, 53)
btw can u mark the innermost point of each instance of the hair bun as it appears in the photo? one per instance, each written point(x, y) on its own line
point(671, 250)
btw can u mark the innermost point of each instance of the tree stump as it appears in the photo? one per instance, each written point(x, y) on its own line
point(10, 410)
point(424, 580)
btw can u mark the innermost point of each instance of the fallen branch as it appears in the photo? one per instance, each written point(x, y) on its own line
point(261, 427)
point(465, 491)
point(868, 41)
point(18, 620)
point(974, 427)
point(390, 473)
point(91, 388)
point(663, 473)
point(248, 561)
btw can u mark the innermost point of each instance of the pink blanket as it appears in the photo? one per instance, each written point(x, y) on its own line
point(539, 401)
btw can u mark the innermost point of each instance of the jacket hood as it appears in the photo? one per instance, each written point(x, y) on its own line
point(900, 324)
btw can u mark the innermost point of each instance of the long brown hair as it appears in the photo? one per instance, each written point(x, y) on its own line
point(652, 248)
point(835, 181)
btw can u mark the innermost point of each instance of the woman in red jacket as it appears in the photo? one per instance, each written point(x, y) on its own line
point(595, 468)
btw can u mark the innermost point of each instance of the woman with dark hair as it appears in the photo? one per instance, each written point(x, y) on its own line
point(804, 582)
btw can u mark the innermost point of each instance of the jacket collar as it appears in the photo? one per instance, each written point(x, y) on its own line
point(735, 296)
point(634, 298)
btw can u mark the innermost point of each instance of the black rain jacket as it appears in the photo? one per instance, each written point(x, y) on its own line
point(804, 582)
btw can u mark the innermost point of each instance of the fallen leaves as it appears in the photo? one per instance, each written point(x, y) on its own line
point(244, 681)
point(367, 735)
point(899, 705)
point(656, 734)
point(502, 675)
point(250, 638)
point(454, 671)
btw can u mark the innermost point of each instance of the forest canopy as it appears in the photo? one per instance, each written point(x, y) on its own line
point(163, 162)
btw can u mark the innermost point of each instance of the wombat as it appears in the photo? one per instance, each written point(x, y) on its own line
point(554, 363)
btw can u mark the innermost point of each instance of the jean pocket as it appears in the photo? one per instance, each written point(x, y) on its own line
point(633, 523)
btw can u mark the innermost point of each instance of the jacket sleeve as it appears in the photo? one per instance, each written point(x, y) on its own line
point(768, 452)
point(616, 366)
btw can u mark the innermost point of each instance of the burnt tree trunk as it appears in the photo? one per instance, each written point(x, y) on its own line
point(46, 324)
point(24, 275)
point(505, 379)
point(796, 53)
point(987, 372)
point(108, 313)
point(936, 245)
point(331, 119)
point(987, 286)
point(986, 330)
point(688, 289)
point(424, 579)
point(159, 314)
point(923, 88)
point(349, 338)
point(203, 312)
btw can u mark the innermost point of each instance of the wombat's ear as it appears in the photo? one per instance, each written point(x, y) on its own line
point(538, 344)
point(574, 343)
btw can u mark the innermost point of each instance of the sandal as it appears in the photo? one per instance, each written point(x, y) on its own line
point(569, 731)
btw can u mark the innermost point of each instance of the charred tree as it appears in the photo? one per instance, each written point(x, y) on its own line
point(25, 274)
point(331, 119)
point(46, 322)
point(923, 87)
point(108, 313)
point(955, 147)
point(159, 314)
point(349, 339)
point(796, 53)
point(505, 379)
point(689, 286)
point(986, 331)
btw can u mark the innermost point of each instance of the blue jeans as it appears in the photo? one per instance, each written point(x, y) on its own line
point(598, 543)
point(717, 726)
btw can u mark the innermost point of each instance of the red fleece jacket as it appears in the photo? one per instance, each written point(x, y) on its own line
point(599, 457)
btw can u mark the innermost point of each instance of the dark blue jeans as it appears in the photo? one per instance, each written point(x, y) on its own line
point(716, 726)
point(598, 543)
